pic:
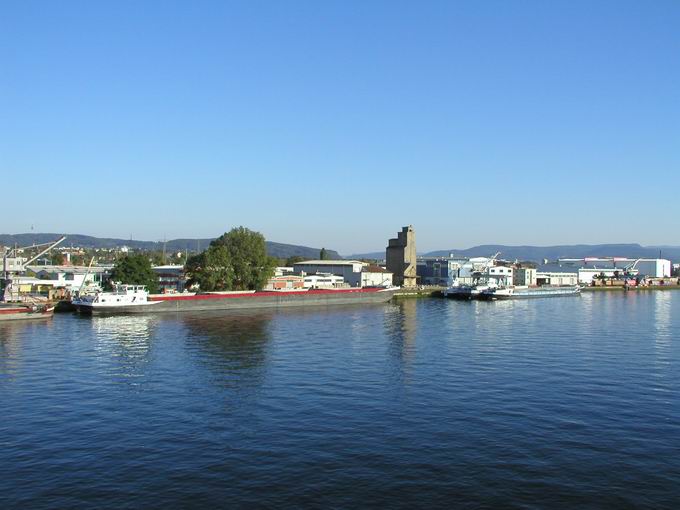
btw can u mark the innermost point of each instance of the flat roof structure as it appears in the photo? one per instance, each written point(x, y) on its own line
point(329, 262)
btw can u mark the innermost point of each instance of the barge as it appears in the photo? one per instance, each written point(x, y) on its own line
point(126, 299)
point(18, 311)
point(495, 293)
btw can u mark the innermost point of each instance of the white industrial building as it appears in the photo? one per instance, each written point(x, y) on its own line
point(654, 268)
point(354, 272)
point(323, 281)
point(556, 278)
point(524, 276)
point(70, 277)
point(589, 268)
point(376, 276)
point(502, 274)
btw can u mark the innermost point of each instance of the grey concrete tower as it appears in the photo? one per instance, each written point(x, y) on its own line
point(401, 257)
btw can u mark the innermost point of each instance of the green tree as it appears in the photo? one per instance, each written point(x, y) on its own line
point(237, 260)
point(57, 258)
point(211, 270)
point(135, 269)
point(323, 255)
point(291, 261)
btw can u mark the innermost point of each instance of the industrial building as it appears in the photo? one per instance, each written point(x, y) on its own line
point(323, 281)
point(71, 277)
point(400, 256)
point(556, 278)
point(354, 272)
point(613, 267)
point(502, 274)
point(433, 270)
point(524, 276)
point(171, 278)
point(376, 276)
point(285, 282)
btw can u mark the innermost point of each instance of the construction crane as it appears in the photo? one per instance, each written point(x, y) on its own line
point(483, 263)
point(12, 264)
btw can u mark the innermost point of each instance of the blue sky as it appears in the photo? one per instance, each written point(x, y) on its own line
point(336, 123)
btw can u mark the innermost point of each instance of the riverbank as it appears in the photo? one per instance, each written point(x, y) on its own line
point(630, 289)
point(418, 292)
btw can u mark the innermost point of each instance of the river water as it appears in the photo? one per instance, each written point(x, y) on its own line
point(566, 402)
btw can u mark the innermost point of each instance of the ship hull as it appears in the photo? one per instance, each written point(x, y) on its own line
point(22, 313)
point(531, 294)
point(109, 310)
point(245, 301)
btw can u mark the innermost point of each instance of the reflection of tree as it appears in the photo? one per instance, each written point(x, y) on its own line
point(232, 345)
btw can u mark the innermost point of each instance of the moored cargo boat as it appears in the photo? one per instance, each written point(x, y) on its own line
point(495, 293)
point(121, 300)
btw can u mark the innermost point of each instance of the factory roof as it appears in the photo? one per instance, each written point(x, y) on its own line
point(372, 268)
point(70, 269)
point(329, 262)
point(556, 268)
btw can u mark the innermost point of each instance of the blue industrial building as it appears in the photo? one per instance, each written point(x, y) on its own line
point(433, 270)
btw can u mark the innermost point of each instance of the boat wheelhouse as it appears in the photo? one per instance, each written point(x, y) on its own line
point(122, 298)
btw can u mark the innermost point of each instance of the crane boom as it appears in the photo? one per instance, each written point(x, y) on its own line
point(52, 245)
point(12, 264)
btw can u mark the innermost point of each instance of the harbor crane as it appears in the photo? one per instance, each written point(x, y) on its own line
point(11, 263)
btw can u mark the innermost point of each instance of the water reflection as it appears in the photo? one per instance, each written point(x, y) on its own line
point(10, 348)
point(663, 336)
point(662, 316)
point(401, 327)
point(13, 334)
point(124, 343)
point(233, 345)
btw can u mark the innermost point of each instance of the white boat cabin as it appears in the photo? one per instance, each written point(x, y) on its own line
point(122, 295)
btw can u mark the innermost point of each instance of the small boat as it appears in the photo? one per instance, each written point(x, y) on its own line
point(123, 298)
point(21, 311)
point(465, 291)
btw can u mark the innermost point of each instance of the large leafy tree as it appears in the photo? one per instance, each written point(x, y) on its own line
point(237, 260)
point(291, 261)
point(135, 269)
point(210, 270)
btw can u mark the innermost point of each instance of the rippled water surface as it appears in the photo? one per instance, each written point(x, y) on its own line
point(569, 402)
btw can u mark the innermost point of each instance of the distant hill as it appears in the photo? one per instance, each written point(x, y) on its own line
point(279, 250)
point(538, 253)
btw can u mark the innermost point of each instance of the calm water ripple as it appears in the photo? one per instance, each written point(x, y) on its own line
point(571, 402)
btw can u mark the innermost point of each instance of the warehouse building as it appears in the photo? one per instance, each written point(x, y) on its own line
point(525, 276)
point(354, 272)
point(552, 278)
point(433, 270)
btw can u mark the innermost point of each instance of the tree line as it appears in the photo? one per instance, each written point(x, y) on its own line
point(237, 260)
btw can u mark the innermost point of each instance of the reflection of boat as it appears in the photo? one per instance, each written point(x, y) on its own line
point(495, 292)
point(18, 311)
point(135, 299)
point(123, 299)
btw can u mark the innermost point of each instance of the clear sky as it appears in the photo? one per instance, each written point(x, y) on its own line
point(335, 123)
